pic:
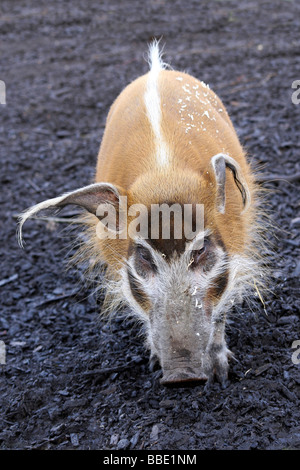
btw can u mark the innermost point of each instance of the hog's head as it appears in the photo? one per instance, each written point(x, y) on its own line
point(181, 285)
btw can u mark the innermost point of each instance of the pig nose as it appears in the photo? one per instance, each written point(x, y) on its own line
point(183, 377)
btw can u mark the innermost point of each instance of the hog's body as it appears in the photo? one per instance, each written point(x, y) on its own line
point(169, 140)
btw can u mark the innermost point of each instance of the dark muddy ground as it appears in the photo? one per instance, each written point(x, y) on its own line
point(70, 381)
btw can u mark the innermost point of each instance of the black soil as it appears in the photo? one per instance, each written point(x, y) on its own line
point(71, 381)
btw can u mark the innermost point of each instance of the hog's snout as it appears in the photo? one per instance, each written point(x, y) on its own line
point(181, 370)
point(182, 375)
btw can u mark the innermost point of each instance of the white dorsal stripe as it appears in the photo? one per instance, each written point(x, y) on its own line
point(153, 103)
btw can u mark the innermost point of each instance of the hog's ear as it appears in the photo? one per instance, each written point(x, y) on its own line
point(90, 197)
point(219, 163)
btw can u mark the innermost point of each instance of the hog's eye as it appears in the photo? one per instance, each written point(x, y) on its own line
point(144, 262)
point(198, 256)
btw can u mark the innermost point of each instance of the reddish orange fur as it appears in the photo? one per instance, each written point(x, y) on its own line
point(127, 158)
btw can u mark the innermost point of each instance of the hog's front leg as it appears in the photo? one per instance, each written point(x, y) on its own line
point(217, 354)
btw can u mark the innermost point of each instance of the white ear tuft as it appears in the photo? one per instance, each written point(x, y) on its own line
point(219, 163)
point(89, 197)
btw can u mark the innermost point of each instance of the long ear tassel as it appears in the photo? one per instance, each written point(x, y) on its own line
point(49, 203)
point(89, 197)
